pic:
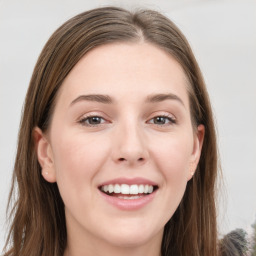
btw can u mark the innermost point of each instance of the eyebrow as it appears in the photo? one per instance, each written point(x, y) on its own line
point(105, 99)
point(162, 97)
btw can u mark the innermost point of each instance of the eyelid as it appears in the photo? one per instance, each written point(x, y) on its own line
point(83, 117)
point(87, 118)
point(92, 113)
point(164, 114)
point(171, 117)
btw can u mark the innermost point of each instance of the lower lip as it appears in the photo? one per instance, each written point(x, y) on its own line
point(129, 204)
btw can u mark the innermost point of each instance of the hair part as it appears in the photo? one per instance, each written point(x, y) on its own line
point(38, 226)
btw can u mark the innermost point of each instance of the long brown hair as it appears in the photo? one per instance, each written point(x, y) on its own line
point(38, 226)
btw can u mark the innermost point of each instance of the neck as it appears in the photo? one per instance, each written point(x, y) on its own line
point(101, 250)
point(80, 246)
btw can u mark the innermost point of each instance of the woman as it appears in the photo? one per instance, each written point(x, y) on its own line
point(117, 148)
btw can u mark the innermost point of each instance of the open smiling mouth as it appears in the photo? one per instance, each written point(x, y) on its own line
point(124, 191)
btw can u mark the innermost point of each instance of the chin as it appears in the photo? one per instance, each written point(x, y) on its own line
point(137, 235)
point(128, 240)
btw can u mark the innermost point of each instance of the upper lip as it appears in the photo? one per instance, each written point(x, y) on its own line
point(129, 181)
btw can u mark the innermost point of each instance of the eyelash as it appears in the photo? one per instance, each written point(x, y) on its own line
point(84, 121)
point(168, 118)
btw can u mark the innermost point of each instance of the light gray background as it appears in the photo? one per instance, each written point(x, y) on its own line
point(223, 37)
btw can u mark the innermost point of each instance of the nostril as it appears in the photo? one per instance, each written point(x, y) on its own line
point(122, 159)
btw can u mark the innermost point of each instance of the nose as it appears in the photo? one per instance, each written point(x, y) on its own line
point(129, 146)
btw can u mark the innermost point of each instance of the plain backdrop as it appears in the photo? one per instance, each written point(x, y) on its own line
point(222, 35)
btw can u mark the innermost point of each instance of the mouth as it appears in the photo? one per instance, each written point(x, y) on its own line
point(128, 192)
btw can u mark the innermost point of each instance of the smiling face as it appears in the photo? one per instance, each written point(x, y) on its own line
point(121, 125)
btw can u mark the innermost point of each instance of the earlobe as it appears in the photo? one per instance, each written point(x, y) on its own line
point(48, 175)
point(44, 155)
point(198, 144)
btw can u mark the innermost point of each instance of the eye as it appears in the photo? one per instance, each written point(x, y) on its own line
point(162, 120)
point(92, 121)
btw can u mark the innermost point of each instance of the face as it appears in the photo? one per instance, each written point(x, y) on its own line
point(121, 145)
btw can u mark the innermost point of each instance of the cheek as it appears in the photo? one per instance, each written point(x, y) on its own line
point(77, 159)
point(172, 160)
point(173, 156)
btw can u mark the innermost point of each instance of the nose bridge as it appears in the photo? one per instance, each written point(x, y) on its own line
point(130, 145)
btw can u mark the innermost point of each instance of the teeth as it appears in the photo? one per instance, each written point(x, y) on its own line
point(150, 189)
point(126, 189)
point(110, 188)
point(105, 188)
point(117, 189)
point(129, 197)
point(134, 189)
point(141, 189)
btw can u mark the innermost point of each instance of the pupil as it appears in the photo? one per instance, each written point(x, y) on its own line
point(160, 120)
point(94, 120)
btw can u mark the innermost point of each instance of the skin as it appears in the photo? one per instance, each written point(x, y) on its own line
point(128, 141)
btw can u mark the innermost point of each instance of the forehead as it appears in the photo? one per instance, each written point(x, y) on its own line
point(125, 69)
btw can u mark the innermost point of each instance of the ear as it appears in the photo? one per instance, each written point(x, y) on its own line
point(44, 155)
point(197, 148)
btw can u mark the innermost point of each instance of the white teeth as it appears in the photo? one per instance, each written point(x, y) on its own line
point(129, 197)
point(117, 189)
point(110, 188)
point(134, 189)
point(126, 189)
point(141, 189)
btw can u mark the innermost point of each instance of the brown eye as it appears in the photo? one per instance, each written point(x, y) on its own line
point(162, 120)
point(92, 121)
